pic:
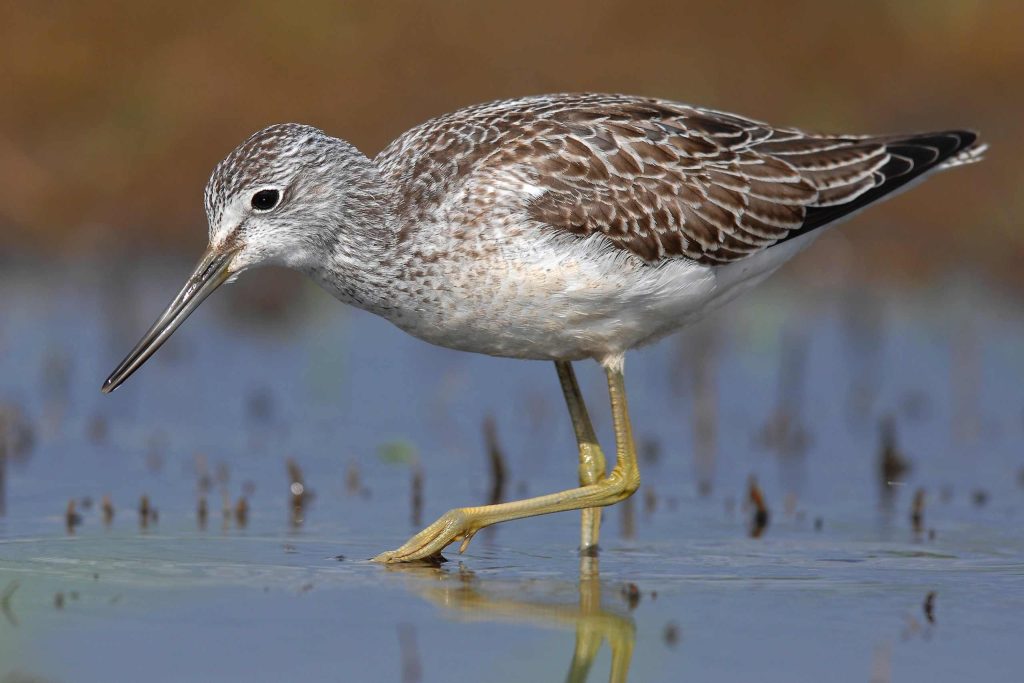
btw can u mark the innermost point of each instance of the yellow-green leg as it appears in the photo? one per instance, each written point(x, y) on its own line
point(461, 524)
point(592, 463)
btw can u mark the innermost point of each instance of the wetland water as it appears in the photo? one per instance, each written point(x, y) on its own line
point(790, 385)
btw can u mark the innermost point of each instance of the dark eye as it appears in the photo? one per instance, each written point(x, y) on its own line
point(265, 200)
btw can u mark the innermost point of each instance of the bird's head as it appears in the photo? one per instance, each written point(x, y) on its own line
point(289, 195)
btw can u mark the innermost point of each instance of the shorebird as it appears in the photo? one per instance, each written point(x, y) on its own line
point(559, 228)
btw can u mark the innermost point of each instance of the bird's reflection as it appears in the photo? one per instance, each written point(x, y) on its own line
point(474, 598)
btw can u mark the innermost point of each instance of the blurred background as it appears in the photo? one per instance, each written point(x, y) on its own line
point(840, 447)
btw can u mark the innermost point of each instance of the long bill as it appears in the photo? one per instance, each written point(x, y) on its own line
point(213, 271)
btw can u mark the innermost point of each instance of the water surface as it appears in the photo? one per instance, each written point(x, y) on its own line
point(789, 385)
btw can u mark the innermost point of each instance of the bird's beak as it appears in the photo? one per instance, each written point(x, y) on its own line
point(213, 270)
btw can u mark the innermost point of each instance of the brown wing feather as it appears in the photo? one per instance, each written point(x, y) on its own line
point(663, 180)
point(660, 179)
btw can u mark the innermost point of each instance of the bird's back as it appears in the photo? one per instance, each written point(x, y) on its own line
point(658, 179)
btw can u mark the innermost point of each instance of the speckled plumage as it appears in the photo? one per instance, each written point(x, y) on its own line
point(558, 227)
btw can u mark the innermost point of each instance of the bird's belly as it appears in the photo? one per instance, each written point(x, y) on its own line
point(584, 303)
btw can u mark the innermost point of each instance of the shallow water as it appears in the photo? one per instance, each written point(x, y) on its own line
point(788, 384)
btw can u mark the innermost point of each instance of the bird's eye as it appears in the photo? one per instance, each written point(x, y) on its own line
point(265, 200)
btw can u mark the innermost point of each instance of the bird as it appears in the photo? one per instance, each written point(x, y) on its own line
point(562, 228)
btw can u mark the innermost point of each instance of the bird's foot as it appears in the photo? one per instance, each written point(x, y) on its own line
point(454, 525)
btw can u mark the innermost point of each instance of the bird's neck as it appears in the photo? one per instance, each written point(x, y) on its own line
point(356, 261)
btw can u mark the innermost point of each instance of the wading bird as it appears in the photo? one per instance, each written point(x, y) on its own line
point(559, 228)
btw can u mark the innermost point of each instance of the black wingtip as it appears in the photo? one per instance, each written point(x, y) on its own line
point(911, 157)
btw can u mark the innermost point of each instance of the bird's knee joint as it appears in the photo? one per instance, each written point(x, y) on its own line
point(630, 485)
point(625, 485)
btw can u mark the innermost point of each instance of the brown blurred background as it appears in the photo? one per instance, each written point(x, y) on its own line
point(114, 113)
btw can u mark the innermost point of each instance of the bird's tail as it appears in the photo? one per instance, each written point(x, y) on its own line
point(910, 159)
point(972, 153)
